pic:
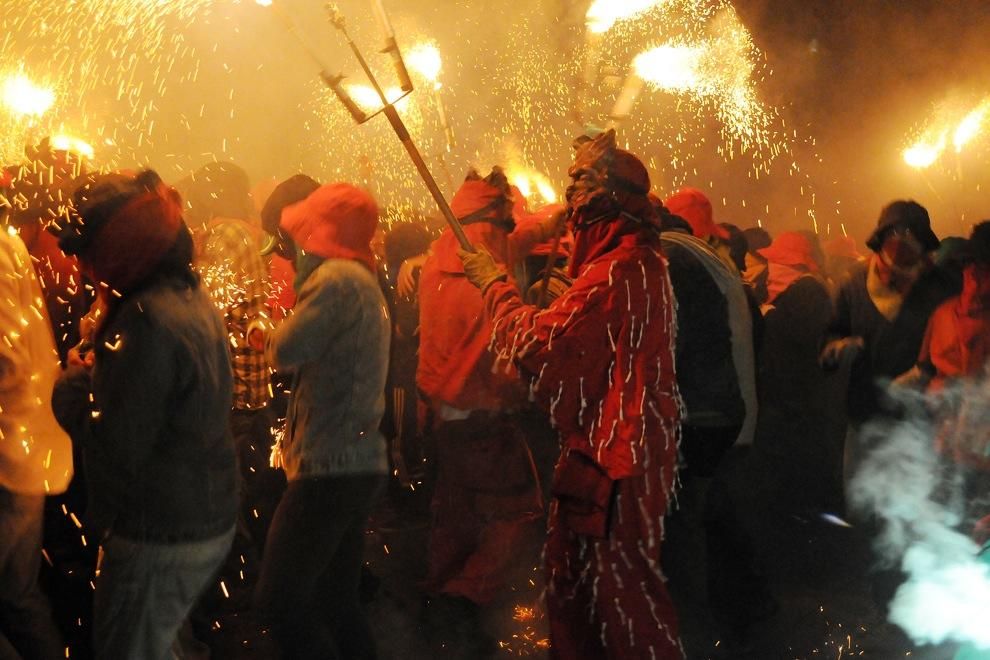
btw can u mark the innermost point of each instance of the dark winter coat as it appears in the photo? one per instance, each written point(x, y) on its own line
point(158, 453)
point(706, 375)
point(890, 347)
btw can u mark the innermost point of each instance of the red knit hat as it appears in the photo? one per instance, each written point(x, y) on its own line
point(790, 248)
point(337, 221)
point(692, 205)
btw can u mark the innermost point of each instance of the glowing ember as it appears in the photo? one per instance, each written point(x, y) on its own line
point(23, 97)
point(425, 60)
point(603, 14)
point(522, 613)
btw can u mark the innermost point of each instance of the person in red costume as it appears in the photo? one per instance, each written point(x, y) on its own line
point(486, 499)
point(601, 360)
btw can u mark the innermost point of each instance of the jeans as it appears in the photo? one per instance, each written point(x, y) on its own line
point(145, 591)
point(26, 626)
point(308, 591)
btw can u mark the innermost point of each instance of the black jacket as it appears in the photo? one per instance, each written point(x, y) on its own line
point(890, 347)
point(706, 373)
point(158, 453)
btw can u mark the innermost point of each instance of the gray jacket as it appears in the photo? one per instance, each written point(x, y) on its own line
point(336, 345)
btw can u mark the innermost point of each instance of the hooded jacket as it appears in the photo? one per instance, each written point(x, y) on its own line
point(335, 345)
point(160, 462)
point(455, 367)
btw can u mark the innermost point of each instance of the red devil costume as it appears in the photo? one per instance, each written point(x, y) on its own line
point(601, 362)
point(486, 499)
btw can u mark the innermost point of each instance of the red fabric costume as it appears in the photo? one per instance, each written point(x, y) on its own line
point(601, 362)
point(487, 500)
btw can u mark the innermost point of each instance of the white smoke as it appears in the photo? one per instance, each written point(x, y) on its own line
point(918, 499)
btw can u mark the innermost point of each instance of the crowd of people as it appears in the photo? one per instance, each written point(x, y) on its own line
point(208, 371)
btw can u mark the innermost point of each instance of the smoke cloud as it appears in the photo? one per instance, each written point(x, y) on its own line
point(926, 517)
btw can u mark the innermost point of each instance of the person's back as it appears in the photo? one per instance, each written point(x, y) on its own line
point(162, 369)
point(706, 375)
point(149, 408)
point(338, 369)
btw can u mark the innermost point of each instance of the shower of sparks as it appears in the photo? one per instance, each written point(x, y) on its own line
point(717, 73)
point(603, 14)
point(952, 124)
point(143, 79)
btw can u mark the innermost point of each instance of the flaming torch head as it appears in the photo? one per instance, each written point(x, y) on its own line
point(425, 60)
point(24, 97)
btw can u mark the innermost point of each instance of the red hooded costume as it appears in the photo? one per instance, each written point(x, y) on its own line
point(455, 367)
point(486, 499)
point(601, 361)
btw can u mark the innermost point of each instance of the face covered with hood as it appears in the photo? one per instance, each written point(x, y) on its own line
point(608, 196)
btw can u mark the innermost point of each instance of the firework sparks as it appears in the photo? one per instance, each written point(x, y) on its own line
point(369, 100)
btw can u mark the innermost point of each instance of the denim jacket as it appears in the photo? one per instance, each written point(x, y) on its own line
point(335, 345)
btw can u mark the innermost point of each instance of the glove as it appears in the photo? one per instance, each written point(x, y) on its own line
point(481, 269)
point(840, 350)
point(552, 226)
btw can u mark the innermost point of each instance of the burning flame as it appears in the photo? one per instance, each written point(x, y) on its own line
point(922, 155)
point(529, 181)
point(603, 14)
point(24, 97)
point(63, 142)
point(369, 101)
point(424, 59)
point(673, 68)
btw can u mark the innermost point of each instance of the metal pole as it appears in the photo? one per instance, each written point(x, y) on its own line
point(400, 129)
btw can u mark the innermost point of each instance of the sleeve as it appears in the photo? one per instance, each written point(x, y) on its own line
point(133, 380)
point(304, 336)
point(524, 239)
point(840, 323)
point(71, 399)
point(555, 346)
